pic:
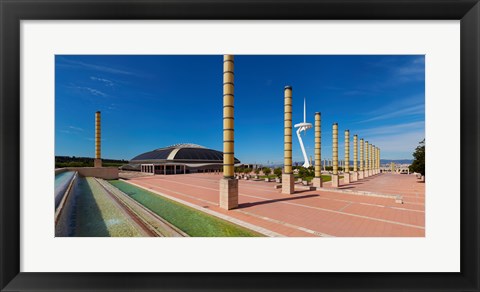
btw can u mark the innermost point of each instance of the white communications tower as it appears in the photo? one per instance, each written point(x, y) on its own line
point(303, 127)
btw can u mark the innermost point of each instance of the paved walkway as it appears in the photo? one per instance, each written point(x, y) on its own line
point(309, 213)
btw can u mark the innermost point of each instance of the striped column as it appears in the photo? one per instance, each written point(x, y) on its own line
point(317, 180)
point(355, 158)
point(362, 160)
point(98, 140)
point(379, 163)
point(228, 184)
point(287, 177)
point(367, 171)
point(228, 122)
point(346, 169)
point(335, 182)
point(373, 159)
point(370, 159)
point(287, 131)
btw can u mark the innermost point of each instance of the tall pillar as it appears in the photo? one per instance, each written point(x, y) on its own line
point(370, 159)
point(335, 183)
point(379, 162)
point(346, 168)
point(373, 159)
point(317, 180)
point(367, 172)
point(355, 158)
point(288, 180)
point(98, 141)
point(228, 184)
point(361, 174)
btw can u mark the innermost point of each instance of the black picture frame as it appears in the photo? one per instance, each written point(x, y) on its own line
point(13, 11)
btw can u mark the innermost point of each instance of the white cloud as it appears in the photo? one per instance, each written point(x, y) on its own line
point(93, 91)
point(106, 82)
point(75, 128)
point(392, 129)
point(417, 109)
point(79, 64)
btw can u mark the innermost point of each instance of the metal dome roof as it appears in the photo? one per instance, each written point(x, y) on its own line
point(184, 152)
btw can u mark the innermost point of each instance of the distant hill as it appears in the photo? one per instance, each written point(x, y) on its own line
point(72, 161)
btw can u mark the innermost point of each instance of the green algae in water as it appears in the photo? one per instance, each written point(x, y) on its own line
point(97, 215)
point(191, 221)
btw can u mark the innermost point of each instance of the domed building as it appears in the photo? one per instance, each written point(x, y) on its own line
point(178, 159)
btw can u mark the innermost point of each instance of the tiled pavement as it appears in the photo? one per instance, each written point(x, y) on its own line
point(309, 213)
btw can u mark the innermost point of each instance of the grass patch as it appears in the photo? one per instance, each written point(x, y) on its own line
point(191, 221)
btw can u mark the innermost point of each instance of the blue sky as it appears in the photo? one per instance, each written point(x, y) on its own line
point(149, 102)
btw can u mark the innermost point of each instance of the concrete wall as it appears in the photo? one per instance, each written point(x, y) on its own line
point(60, 170)
point(100, 172)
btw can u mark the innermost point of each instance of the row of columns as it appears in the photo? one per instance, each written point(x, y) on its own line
point(369, 160)
point(368, 167)
point(229, 185)
point(150, 168)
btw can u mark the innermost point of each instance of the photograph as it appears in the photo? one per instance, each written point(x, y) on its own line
point(239, 145)
point(271, 145)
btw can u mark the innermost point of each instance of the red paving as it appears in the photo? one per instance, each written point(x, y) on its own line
point(310, 213)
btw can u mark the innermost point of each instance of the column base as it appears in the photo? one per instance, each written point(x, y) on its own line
point(354, 176)
point(365, 173)
point(335, 182)
point(317, 182)
point(97, 162)
point(360, 174)
point(346, 178)
point(288, 184)
point(228, 193)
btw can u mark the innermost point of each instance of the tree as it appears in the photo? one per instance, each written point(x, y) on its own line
point(257, 171)
point(267, 171)
point(278, 172)
point(418, 164)
point(302, 171)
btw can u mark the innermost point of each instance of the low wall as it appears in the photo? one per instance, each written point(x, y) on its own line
point(60, 170)
point(100, 172)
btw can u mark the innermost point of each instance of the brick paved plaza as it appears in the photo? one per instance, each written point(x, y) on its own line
point(326, 212)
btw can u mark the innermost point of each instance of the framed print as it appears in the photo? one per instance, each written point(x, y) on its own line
point(239, 145)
